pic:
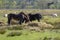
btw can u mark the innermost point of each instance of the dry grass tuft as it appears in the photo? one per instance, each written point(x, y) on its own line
point(33, 24)
point(45, 25)
point(40, 25)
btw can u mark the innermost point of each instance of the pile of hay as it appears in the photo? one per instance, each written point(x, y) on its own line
point(40, 25)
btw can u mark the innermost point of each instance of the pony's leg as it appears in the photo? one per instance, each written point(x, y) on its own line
point(38, 20)
point(31, 20)
point(9, 20)
point(20, 22)
point(23, 20)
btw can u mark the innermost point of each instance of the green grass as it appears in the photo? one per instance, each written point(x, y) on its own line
point(30, 35)
point(51, 20)
point(55, 21)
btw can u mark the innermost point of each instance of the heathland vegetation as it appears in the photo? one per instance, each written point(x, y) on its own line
point(47, 29)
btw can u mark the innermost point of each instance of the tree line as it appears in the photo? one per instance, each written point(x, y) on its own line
point(29, 4)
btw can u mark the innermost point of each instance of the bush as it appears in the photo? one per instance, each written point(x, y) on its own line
point(2, 30)
point(15, 27)
point(14, 33)
point(46, 38)
point(57, 38)
point(52, 6)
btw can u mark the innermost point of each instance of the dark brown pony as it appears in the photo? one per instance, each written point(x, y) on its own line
point(36, 16)
point(26, 17)
point(21, 17)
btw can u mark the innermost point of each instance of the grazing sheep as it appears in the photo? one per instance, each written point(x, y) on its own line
point(54, 15)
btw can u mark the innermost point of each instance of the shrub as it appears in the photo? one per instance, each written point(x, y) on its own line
point(14, 33)
point(46, 38)
point(2, 30)
point(15, 27)
point(57, 38)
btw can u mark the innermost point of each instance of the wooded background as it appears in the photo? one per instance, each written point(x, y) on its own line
point(29, 4)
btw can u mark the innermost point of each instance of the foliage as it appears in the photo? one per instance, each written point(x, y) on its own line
point(14, 33)
point(2, 30)
point(52, 6)
point(27, 4)
point(15, 27)
point(45, 34)
point(53, 21)
point(30, 35)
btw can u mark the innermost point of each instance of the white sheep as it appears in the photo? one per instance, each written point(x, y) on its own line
point(54, 15)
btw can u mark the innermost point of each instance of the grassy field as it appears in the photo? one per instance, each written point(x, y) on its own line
point(32, 35)
point(29, 34)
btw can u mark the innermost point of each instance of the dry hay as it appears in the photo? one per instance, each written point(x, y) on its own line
point(33, 24)
point(2, 23)
point(45, 25)
point(40, 25)
point(37, 29)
